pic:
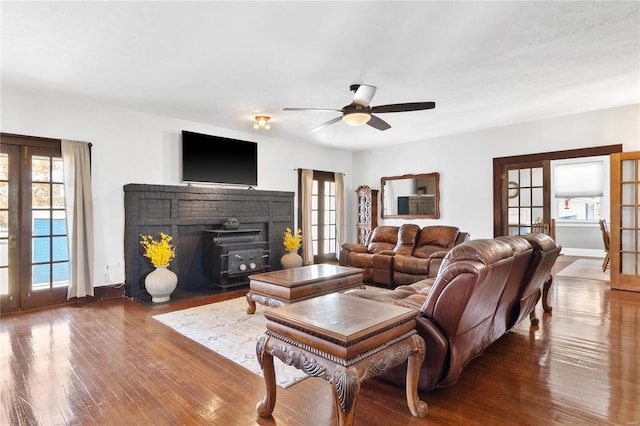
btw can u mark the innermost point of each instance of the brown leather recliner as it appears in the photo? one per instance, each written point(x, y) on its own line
point(402, 255)
point(432, 245)
point(387, 239)
point(481, 286)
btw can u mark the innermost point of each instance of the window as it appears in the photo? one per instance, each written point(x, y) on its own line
point(579, 188)
point(50, 256)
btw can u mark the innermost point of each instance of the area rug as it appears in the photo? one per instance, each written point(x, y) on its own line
point(590, 269)
point(227, 329)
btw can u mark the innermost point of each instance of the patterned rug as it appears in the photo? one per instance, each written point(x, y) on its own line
point(227, 329)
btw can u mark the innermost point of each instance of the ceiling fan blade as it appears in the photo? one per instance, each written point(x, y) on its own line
point(312, 109)
point(323, 125)
point(378, 123)
point(411, 106)
point(364, 94)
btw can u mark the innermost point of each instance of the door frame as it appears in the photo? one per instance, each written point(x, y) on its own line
point(499, 163)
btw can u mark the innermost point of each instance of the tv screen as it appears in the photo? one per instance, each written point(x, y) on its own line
point(215, 159)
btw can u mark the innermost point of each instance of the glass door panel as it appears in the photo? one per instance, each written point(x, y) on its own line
point(625, 221)
point(526, 194)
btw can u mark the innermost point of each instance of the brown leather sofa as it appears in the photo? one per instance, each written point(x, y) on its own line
point(403, 254)
point(483, 289)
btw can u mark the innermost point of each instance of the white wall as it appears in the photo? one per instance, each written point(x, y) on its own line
point(465, 161)
point(136, 147)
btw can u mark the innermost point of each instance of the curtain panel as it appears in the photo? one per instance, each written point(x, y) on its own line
point(339, 180)
point(79, 209)
point(307, 243)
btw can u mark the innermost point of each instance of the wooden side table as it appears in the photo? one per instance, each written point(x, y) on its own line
point(345, 340)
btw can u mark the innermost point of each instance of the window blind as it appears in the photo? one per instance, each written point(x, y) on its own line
point(579, 180)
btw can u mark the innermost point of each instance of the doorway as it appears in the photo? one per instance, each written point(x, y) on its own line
point(324, 217)
point(34, 258)
point(521, 189)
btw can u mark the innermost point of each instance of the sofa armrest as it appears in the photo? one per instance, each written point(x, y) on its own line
point(436, 261)
point(383, 267)
point(439, 254)
point(358, 248)
point(348, 248)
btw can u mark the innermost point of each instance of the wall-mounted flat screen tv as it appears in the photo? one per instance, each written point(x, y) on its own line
point(214, 159)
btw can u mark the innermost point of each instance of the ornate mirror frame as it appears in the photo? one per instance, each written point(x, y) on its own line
point(411, 196)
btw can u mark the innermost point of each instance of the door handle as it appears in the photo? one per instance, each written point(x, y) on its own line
point(12, 241)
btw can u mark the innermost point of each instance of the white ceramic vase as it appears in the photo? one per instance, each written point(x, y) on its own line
point(291, 259)
point(160, 283)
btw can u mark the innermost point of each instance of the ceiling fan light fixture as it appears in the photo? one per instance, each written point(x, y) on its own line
point(356, 118)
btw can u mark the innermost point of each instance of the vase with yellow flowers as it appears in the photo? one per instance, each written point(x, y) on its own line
point(160, 282)
point(292, 243)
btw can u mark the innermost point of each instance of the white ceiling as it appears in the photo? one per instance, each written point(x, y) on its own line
point(485, 64)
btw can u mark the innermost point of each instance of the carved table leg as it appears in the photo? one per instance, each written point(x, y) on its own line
point(418, 408)
point(265, 407)
point(252, 304)
point(545, 294)
point(346, 386)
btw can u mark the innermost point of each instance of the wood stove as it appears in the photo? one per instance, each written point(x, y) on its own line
point(231, 255)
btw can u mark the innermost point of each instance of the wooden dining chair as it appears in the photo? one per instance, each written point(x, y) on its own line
point(606, 236)
point(539, 226)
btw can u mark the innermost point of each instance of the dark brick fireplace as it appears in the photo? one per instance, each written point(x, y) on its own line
point(185, 213)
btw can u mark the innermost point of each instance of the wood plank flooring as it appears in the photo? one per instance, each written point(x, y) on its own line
point(109, 362)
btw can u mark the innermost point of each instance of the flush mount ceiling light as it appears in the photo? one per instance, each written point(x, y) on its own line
point(262, 122)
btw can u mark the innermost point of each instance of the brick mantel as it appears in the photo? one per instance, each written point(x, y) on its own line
point(184, 212)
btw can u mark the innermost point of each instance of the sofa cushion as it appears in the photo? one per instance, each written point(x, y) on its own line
point(435, 238)
point(406, 239)
point(383, 238)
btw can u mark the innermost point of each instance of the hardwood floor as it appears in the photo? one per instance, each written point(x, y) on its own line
point(110, 362)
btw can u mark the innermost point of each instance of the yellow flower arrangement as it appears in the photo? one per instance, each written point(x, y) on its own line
point(160, 252)
point(292, 242)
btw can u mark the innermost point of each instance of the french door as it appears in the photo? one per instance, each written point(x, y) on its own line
point(323, 217)
point(625, 221)
point(34, 260)
point(526, 190)
point(324, 232)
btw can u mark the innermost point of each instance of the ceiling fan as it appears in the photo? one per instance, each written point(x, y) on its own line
point(358, 112)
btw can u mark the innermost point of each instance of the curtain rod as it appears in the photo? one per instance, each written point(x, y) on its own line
point(321, 171)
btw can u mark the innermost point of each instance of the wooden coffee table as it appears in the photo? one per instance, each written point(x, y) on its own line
point(345, 340)
point(287, 286)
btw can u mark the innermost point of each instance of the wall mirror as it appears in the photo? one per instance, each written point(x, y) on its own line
point(411, 196)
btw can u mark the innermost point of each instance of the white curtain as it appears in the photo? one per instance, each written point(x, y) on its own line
point(307, 186)
point(339, 179)
point(79, 209)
